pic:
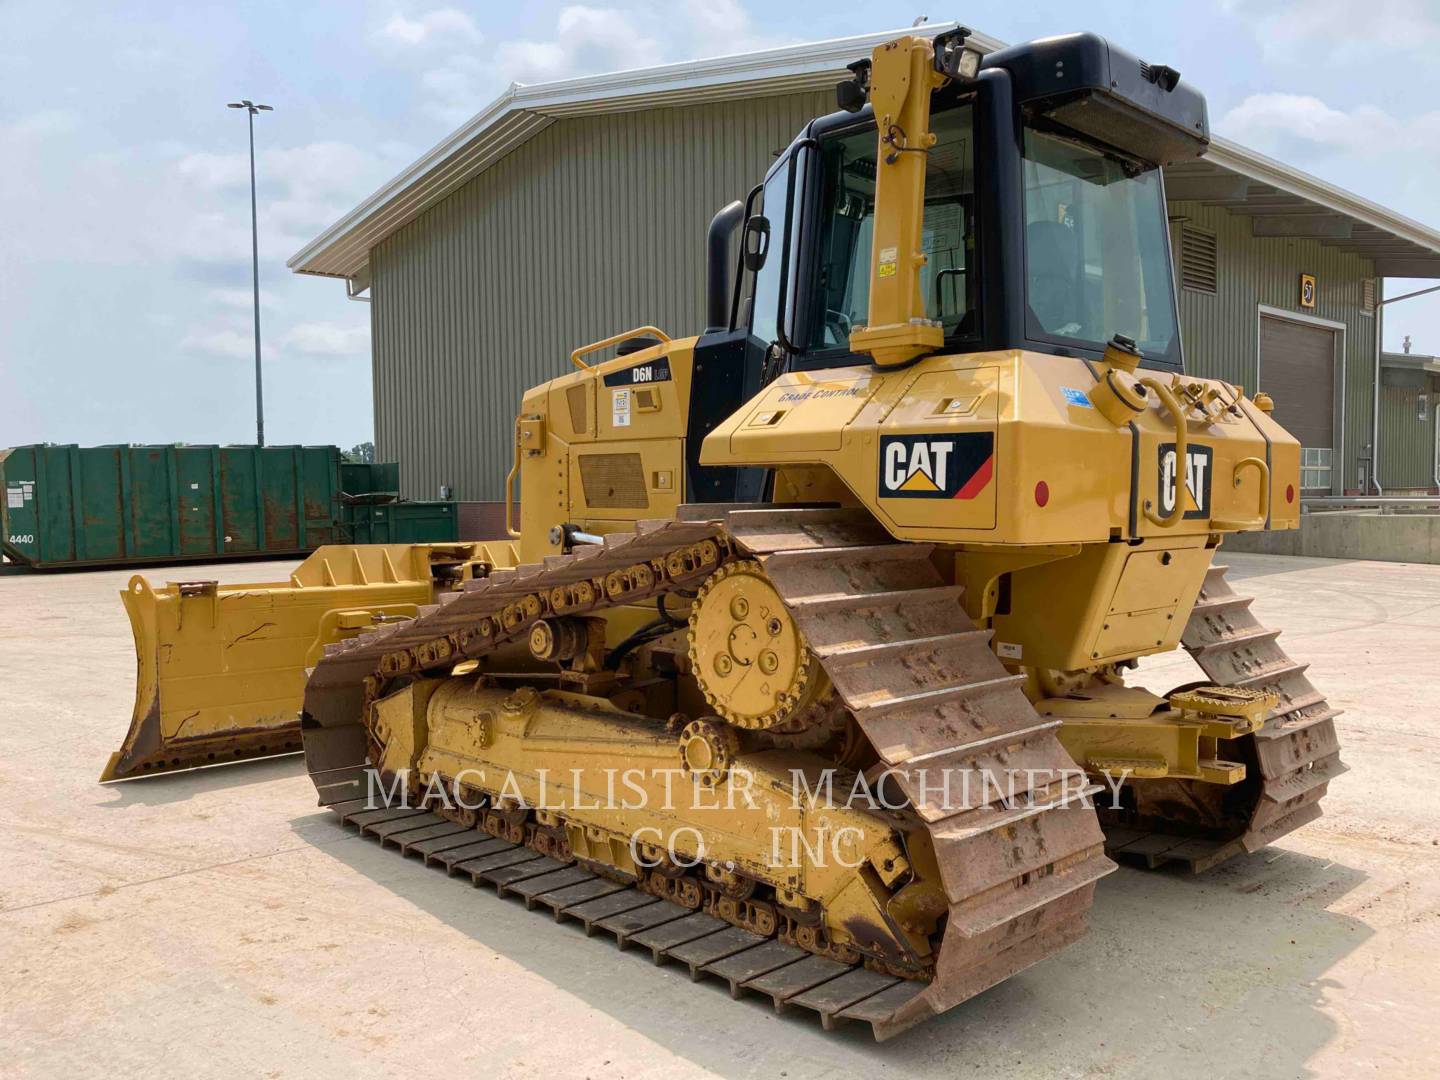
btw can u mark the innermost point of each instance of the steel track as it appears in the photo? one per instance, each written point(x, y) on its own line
point(1296, 754)
point(923, 684)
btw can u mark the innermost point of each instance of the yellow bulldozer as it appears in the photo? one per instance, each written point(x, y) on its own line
point(809, 661)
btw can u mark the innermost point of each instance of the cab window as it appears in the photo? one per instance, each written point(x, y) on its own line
point(1097, 260)
point(841, 296)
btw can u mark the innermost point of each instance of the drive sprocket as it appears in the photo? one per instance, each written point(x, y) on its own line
point(747, 654)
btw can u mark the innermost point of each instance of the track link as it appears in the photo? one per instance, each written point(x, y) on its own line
point(923, 684)
point(1296, 754)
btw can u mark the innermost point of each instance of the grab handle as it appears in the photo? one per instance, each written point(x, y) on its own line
point(510, 529)
point(1225, 525)
point(1182, 453)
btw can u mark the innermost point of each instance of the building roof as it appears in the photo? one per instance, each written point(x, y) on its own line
point(1282, 200)
point(1411, 362)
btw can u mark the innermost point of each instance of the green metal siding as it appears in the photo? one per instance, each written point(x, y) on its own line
point(1220, 331)
point(1407, 443)
point(594, 225)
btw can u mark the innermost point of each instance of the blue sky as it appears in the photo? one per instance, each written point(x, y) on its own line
point(124, 228)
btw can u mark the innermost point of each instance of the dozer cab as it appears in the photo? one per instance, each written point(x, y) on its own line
point(867, 565)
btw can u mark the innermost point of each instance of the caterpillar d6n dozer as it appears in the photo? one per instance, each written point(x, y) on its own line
point(815, 674)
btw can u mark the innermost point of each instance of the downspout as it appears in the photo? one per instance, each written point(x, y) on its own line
point(1375, 414)
point(1434, 451)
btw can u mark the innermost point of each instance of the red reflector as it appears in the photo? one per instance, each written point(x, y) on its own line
point(1289, 493)
point(1042, 493)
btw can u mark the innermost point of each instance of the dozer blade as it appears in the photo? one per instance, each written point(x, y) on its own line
point(220, 669)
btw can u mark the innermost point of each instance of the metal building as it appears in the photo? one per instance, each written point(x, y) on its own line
point(568, 211)
point(1410, 448)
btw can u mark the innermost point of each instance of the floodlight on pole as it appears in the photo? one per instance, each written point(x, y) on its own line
point(251, 108)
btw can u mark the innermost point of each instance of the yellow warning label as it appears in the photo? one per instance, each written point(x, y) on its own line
point(887, 263)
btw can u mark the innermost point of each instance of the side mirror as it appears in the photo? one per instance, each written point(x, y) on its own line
point(755, 244)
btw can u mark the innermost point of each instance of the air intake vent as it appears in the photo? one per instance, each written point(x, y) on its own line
point(1367, 296)
point(576, 397)
point(1198, 259)
point(613, 481)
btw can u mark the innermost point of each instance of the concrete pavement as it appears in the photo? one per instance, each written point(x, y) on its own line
point(217, 923)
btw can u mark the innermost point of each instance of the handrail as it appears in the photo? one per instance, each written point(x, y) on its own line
point(740, 260)
point(615, 339)
point(1182, 455)
point(782, 302)
point(1228, 525)
point(1367, 502)
point(510, 529)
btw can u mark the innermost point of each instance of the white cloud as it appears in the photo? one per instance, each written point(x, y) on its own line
point(457, 88)
point(302, 189)
point(725, 24)
point(1270, 121)
point(242, 299)
point(230, 344)
point(42, 123)
point(442, 23)
point(317, 166)
point(586, 39)
point(215, 170)
point(1343, 145)
point(327, 339)
point(589, 39)
point(1333, 28)
point(1300, 127)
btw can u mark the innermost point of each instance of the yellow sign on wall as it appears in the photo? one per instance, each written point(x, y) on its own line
point(1307, 290)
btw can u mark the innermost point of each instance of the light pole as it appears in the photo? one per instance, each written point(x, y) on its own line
point(251, 109)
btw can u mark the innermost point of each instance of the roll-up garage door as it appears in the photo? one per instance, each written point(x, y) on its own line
point(1297, 369)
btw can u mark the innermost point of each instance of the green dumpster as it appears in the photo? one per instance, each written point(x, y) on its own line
point(116, 505)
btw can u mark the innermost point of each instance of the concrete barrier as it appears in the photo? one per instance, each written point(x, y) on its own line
point(1351, 534)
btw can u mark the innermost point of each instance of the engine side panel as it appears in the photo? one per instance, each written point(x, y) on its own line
point(1007, 448)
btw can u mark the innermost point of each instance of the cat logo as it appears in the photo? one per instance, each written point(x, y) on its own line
point(936, 466)
point(1197, 479)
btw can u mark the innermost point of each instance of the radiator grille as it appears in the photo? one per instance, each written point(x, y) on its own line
point(614, 481)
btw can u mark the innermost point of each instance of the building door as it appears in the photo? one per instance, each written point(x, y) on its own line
point(1297, 369)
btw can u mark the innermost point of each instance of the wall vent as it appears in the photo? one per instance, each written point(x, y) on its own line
point(1199, 261)
point(1367, 296)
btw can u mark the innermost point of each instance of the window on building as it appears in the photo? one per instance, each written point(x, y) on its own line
point(1315, 468)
